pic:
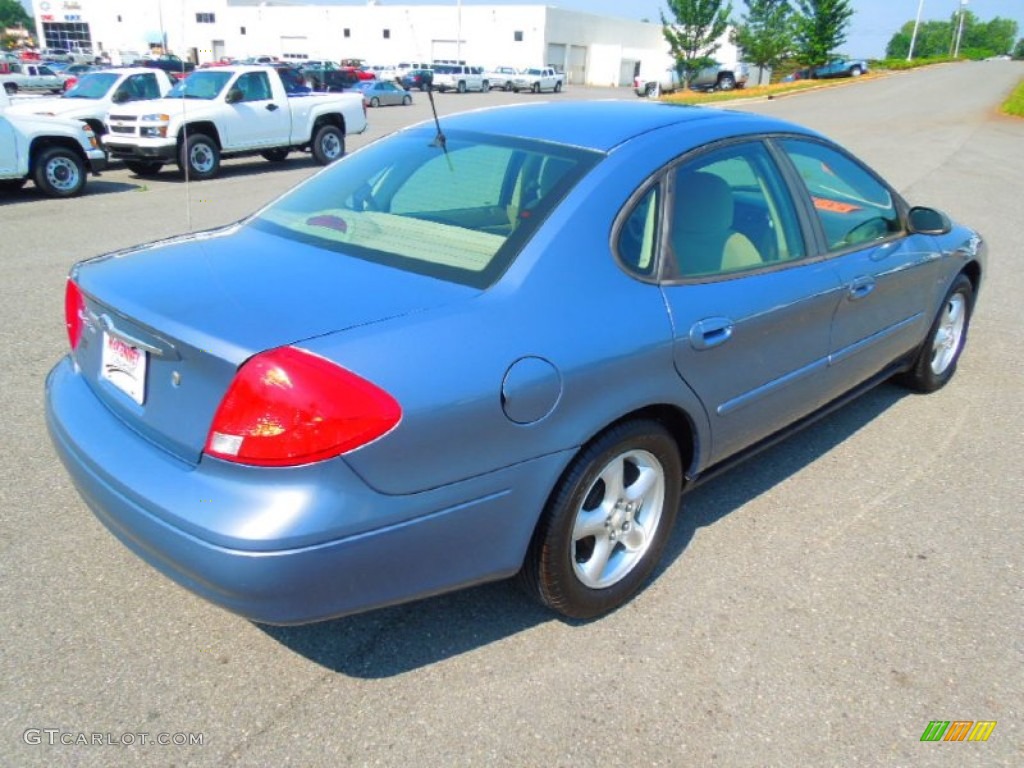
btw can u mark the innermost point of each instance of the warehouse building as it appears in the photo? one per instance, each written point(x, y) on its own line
point(589, 49)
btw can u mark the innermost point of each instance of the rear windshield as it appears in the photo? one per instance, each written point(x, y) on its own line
point(460, 216)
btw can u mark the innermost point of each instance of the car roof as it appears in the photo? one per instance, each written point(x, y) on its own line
point(604, 125)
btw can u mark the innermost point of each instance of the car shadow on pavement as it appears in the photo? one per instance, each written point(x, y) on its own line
point(391, 641)
point(95, 186)
point(234, 168)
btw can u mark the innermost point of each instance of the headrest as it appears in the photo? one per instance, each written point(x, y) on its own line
point(703, 203)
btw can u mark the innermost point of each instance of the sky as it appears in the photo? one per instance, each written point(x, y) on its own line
point(874, 21)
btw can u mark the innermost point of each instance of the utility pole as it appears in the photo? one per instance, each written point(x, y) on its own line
point(960, 30)
point(913, 37)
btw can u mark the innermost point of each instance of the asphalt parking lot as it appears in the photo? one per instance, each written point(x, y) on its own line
point(818, 606)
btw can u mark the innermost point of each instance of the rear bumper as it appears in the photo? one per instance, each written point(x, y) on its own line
point(290, 546)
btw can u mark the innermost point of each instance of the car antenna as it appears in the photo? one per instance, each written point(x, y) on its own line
point(439, 140)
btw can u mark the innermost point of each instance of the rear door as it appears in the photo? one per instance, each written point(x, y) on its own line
point(750, 311)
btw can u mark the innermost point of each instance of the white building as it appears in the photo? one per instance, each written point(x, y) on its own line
point(590, 49)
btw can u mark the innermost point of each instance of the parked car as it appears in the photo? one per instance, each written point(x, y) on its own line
point(459, 78)
point(537, 79)
point(417, 78)
point(382, 93)
point(169, 63)
point(403, 377)
point(242, 110)
point(30, 78)
point(834, 68)
point(717, 77)
point(92, 97)
point(839, 68)
point(56, 153)
point(501, 77)
point(336, 81)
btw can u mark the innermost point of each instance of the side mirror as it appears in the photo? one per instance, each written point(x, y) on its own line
point(928, 221)
point(234, 96)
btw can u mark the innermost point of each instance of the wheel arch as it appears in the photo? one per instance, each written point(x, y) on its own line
point(205, 127)
point(676, 420)
point(42, 143)
point(330, 118)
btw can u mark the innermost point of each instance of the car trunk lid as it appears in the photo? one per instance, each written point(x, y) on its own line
point(168, 325)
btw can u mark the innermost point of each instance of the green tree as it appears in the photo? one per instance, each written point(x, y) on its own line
point(820, 29)
point(12, 14)
point(695, 34)
point(933, 39)
point(765, 33)
point(1018, 52)
point(938, 38)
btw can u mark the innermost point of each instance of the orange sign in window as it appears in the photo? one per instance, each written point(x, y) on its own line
point(823, 204)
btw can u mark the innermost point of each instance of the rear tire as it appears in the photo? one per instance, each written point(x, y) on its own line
point(558, 87)
point(726, 83)
point(936, 361)
point(143, 167)
point(375, 102)
point(60, 172)
point(328, 144)
point(462, 86)
point(607, 522)
point(856, 72)
point(11, 88)
point(406, 101)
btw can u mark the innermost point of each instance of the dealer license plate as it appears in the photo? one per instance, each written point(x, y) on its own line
point(124, 366)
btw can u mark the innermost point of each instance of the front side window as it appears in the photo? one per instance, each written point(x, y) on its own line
point(460, 215)
point(852, 205)
point(731, 212)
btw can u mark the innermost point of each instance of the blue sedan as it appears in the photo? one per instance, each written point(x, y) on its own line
point(503, 349)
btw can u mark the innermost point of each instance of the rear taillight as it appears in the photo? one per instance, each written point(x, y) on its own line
point(288, 406)
point(74, 312)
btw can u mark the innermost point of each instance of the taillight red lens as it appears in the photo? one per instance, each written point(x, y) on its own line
point(74, 312)
point(288, 406)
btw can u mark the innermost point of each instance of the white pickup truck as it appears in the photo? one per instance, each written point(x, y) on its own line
point(56, 153)
point(538, 79)
point(96, 93)
point(226, 111)
point(21, 76)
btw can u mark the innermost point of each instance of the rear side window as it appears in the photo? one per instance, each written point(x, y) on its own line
point(731, 212)
point(853, 206)
point(460, 215)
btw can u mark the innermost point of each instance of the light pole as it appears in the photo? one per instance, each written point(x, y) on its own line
point(913, 37)
point(960, 30)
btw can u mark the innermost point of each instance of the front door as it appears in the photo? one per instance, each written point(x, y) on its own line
point(8, 148)
point(257, 120)
point(886, 274)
